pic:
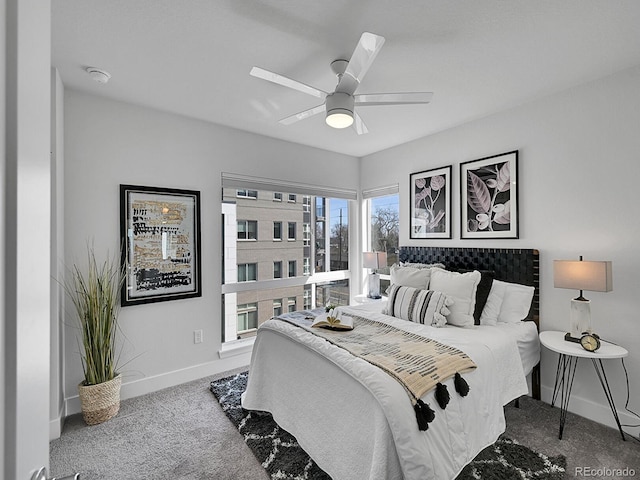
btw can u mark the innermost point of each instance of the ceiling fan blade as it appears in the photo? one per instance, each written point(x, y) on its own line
point(359, 125)
point(286, 82)
point(393, 98)
point(361, 59)
point(302, 115)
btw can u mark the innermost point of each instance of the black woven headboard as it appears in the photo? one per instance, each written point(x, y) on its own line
point(510, 265)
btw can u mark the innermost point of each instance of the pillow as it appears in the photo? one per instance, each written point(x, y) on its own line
point(462, 288)
point(482, 293)
point(507, 303)
point(515, 303)
point(491, 309)
point(418, 305)
point(410, 277)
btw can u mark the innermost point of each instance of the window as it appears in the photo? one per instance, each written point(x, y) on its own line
point(247, 230)
point(247, 317)
point(277, 230)
point(247, 193)
point(384, 229)
point(264, 276)
point(291, 198)
point(306, 297)
point(277, 269)
point(247, 272)
point(291, 304)
point(306, 266)
point(277, 307)
point(306, 234)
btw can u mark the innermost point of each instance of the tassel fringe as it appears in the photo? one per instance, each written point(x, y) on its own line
point(424, 415)
point(462, 387)
point(442, 395)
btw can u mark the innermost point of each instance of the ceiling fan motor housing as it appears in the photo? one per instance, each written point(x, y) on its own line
point(339, 103)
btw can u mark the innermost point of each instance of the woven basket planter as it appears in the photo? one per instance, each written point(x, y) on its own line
point(100, 402)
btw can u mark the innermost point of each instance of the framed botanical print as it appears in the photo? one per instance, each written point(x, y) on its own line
point(430, 208)
point(489, 197)
point(160, 232)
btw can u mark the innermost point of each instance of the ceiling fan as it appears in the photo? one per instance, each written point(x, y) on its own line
point(340, 104)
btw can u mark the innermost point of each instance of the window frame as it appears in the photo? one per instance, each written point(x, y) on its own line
point(247, 230)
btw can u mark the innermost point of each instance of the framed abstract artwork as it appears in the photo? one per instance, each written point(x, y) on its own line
point(430, 208)
point(160, 234)
point(489, 197)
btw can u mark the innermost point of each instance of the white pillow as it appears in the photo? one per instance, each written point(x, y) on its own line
point(491, 309)
point(515, 303)
point(462, 288)
point(410, 277)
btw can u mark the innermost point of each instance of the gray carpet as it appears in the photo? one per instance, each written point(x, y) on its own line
point(182, 433)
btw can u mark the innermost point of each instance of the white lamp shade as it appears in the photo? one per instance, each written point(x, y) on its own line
point(374, 259)
point(583, 275)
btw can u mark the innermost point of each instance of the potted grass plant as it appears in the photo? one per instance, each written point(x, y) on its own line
point(95, 293)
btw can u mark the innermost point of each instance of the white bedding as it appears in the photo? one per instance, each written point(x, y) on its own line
point(366, 428)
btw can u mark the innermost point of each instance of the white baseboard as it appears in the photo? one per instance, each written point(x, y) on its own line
point(596, 412)
point(170, 379)
point(56, 424)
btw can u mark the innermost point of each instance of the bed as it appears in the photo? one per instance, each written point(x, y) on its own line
point(356, 421)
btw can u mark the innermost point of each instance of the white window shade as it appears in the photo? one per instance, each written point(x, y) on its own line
point(380, 191)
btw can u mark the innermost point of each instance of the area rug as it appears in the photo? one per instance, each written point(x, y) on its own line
point(282, 457)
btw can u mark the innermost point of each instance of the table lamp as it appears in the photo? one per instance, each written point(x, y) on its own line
point(581, 275)
point(374, 260)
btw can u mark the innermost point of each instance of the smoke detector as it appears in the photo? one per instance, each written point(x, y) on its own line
point(98, 75)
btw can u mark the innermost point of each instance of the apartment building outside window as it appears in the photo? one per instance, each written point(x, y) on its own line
point(277, 269)
point(254, 270)
point(277, 307)
point(292, 198)
point(247, 193)
point(291, 304)
point(291, 231)
point(277, 230)
point(247, 317)
point(277, 196)
point(247, 230)
point(247, 272)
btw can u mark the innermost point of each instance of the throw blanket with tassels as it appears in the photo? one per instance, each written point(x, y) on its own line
point(419, 364)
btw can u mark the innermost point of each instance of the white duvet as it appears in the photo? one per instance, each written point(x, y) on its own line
point(357, 422)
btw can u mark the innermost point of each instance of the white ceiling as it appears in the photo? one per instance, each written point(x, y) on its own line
point(193, 57)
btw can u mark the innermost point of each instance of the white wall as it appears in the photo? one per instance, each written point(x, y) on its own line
point(26, 64)
point(110, 143)
point(578, 173)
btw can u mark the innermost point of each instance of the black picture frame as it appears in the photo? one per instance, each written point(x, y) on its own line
point(430, 204)
point(160, 238)
point(489, 197)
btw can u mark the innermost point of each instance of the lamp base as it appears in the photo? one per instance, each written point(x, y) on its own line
point(580, 317)
point(374, 286)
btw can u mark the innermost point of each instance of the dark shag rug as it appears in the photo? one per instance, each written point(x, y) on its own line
point(282, 457)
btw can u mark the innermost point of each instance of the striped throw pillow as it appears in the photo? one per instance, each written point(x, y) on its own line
point(418, 305)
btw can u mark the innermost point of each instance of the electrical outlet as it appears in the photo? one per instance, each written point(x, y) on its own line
point(197, 336)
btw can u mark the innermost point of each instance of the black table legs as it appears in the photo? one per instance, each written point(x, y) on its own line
point(565, 374)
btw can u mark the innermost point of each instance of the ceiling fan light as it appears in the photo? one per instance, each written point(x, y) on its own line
point(339, 118)
point(339, 110)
